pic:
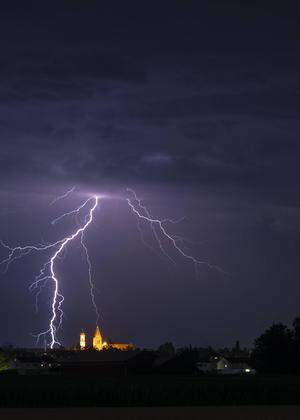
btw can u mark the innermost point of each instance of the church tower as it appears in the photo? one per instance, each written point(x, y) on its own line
point(97, 340)
point(82, 341)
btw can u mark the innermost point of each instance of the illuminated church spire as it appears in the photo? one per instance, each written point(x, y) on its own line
point(97, 340)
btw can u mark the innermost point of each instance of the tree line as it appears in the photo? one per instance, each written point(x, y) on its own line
point(275, 351)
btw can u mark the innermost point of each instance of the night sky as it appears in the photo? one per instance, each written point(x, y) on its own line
point(195, 105)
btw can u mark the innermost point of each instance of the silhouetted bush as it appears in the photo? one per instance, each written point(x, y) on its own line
point(275, 351)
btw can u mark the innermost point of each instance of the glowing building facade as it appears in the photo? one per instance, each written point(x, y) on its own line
point(97, 340)
point(82, 343)
point(121, 346)
point(99, 344)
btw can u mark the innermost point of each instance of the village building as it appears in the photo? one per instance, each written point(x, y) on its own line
point(226, 366)
point(99, 344)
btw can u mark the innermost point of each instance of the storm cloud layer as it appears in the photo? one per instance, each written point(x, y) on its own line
point(195, 93)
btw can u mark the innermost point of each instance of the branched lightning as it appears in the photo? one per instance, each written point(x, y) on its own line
point(61, 197)
point(160, 231)
point(48, 271)
point(84, 216)
point(70, 213)
point(90, 277)
point(148, 218)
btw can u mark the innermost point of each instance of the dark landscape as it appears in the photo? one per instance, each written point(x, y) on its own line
point(147, 391)
point(266, 375)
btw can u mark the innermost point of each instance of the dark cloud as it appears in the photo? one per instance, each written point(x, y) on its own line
point(127, 85)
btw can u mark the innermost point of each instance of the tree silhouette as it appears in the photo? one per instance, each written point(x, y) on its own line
point(274, 350)
point(166, 349)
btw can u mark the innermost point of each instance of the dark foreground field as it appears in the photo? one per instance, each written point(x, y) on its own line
point(158, 413)
point(146, 390)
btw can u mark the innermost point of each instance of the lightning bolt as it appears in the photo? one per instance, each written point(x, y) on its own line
point(48, 271)
point(148, 218)
point(74, 212)
point(57, 249)
point(160, 231)
point(90, 278)
point(61, 197)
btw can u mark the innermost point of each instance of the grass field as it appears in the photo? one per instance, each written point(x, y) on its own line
point(158, 413)
point(146, 390)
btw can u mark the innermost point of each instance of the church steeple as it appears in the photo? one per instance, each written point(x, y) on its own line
point(97, 340)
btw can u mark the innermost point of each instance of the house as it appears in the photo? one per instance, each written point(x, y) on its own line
point(226, 366)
